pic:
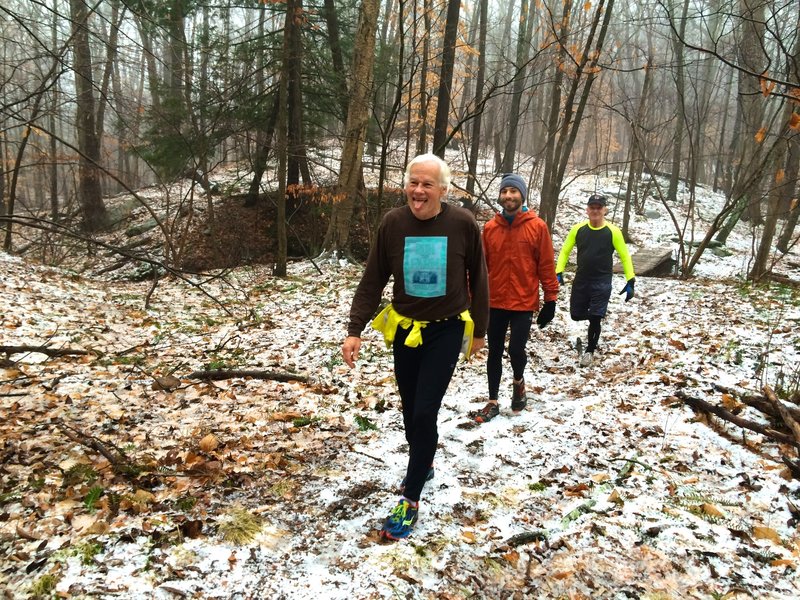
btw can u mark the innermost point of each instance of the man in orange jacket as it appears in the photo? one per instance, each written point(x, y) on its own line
point(519, 257)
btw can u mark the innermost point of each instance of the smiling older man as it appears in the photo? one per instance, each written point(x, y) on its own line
point(439, 307)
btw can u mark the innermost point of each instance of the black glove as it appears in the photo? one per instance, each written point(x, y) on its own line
point(560, 277)
point(628, 289)
point(546, 314)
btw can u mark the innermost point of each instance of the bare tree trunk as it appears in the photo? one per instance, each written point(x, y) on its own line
point(54, 99)
point(637, 147)
point(749, 168)
point(440, 129)
point(90, 194)
point(424, 97)
point(723, 158)
point(338, 235)
point(337, 57)
point(475, 142)
point(298, 161)
point(281, 144)
point(523, 43)
point(786, 175)
point(264, 141)
point(388, 129)
point(562, 134)
point(680, 108)
point(759, 268)
point(265, 133)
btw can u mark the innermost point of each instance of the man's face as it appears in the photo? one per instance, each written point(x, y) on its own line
point(597, 213)
point(511, 199)
point(424, 190)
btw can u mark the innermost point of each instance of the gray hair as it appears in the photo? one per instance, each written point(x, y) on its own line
point(444, 169)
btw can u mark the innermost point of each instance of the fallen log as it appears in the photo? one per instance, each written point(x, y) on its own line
point(760, 403)
point(740, 421)
point(217, 374)
point(9, 350)
point(785, 414)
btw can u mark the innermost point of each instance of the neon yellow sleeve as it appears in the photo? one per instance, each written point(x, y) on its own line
point(566, 249)
point(622, 250)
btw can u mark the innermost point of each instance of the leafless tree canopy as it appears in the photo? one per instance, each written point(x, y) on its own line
point(102, 97)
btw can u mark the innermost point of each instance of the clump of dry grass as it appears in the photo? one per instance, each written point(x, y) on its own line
point(239, 526)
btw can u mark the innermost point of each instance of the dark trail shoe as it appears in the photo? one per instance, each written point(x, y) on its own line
point(487, 413)
point(519, 399)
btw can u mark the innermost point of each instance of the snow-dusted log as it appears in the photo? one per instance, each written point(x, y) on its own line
point(726, 415)
point(218, 374)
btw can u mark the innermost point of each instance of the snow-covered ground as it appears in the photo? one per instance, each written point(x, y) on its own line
point(608, 486)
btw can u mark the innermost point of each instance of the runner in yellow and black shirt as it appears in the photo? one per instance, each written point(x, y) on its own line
point(596, 241)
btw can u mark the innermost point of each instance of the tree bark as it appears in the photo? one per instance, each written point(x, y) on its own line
point(424, 96)
point(281, 144)
point(298, 161)
point(90, 194)
point(562, 133)
point(680, 108)
point(475, 142)
point(749, 170)
point(338, 235)
point(520, 67)
point(440, 129)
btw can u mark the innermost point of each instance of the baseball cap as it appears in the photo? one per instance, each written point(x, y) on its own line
point(596, 199)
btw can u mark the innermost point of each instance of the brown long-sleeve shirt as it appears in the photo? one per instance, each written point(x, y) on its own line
point(438, 267)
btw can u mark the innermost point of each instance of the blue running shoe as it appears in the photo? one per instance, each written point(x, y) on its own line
point(400, 523)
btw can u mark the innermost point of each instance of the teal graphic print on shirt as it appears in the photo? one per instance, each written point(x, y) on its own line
point(425, 266)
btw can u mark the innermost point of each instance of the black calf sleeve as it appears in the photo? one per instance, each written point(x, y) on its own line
point(594, 333)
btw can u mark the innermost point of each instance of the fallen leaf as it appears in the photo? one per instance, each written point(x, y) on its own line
point(766, 533)
point(677, 344)
point(25, 534)
point(209, 443)
point(782, 562)
point(562, 574)
point(712, 510)
point(576, 490)
point(166, 383)
point(290, 415)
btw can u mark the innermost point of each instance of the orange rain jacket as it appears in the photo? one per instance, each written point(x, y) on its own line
point(519, 256)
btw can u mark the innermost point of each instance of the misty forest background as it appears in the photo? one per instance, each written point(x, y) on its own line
point(318, 104)
point(155, 139)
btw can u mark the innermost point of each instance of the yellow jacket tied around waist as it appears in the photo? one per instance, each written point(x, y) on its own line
point(388, 320)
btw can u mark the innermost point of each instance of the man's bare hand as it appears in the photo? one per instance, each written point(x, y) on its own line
point(350, 348)
point(478, 344)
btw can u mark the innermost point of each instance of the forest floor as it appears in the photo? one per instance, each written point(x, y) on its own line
point(127, 473)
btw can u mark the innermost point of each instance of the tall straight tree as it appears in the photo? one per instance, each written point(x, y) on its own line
point(440, 132)
point(90, 194)
point(281, 145)
point(424, 94)
point(475, 141)
point(298, 161)
point(679, 32)
point(787, 168)
point(564, 120)
point(337, 238)
point(520, 68)
point(751, 113)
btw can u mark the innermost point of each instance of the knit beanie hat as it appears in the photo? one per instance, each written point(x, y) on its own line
point(515, 181)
